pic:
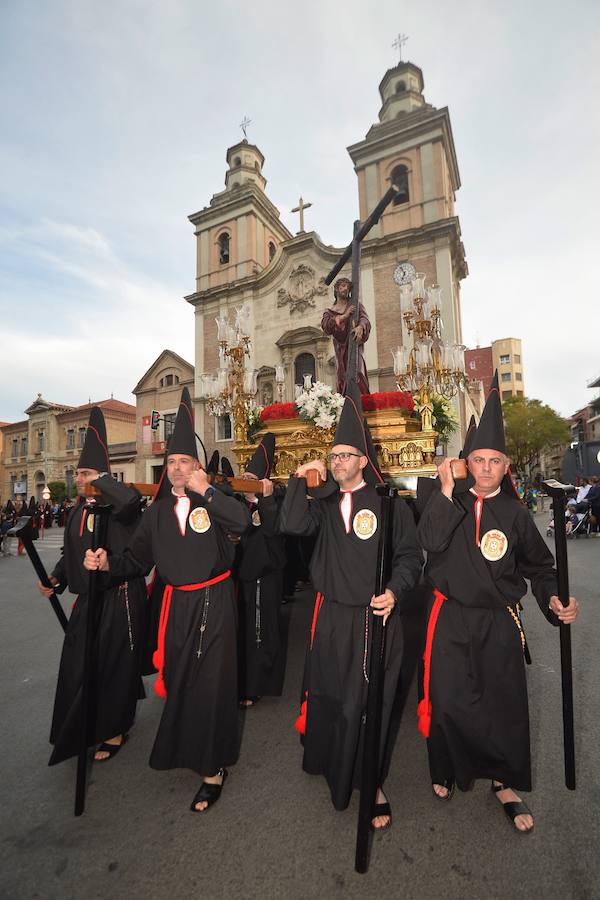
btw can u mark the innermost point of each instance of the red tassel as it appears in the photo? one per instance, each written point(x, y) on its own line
point(159, 687)
point(300, 723)
point(424, 707)
point(424, 717)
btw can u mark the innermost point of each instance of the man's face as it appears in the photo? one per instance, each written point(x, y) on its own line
point(347, 473)
point(488, 468)
point(343, 290)
point(179, 468)
point(83, 477)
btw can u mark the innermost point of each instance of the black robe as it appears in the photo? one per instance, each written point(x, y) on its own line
point(478, 690)
point(261, 560)
point(343, 570)
point(119, 632)
point(199, 725)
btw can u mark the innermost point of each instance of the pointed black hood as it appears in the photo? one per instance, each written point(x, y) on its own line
point(213, 464)
point(261, 462)
point(164, 485)
point(94, 454)
point(226, 468)
point(353, 431)
point(490, 434)
point(183, 439)
point(469, 438)
point(490, 431)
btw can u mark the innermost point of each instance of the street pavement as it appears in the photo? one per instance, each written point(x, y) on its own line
point(274, 833)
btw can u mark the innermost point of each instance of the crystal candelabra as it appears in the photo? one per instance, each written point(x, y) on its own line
point(430, 365)
point(231, 391)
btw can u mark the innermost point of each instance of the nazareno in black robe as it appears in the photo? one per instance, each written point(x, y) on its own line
point(343, 570)
point(261, 560)
point(120, 631)
point(198, 729)
point(478, 691)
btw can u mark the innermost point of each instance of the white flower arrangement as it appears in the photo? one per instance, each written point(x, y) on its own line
point(320, 405)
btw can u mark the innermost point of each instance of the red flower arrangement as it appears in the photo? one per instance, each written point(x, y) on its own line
point(388, 400)
point(279, 411)
point(370, 402)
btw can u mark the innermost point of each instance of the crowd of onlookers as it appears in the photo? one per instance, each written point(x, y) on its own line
point(43, 515)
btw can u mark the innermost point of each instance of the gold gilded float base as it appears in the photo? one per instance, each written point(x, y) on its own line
point(403, 451)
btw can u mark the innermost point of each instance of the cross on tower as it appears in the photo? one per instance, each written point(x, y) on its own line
point(300, 209)
point(397, 44)
point(244, 124)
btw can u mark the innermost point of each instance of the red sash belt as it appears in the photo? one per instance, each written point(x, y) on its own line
point(424, 707)
point(158, 657)
point(300, 723)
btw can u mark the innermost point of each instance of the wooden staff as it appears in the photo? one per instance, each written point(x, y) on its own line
point(558, 492)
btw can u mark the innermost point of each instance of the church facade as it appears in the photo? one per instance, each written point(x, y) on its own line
point(245, 254)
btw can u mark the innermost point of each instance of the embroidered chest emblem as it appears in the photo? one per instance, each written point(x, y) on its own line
point(199, 520)
point(256, 517)
point(364, 524)
point(90, 523)
point(494, 545)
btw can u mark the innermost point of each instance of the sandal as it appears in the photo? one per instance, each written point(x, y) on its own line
point(111, 749)
point(447, 783)
point(381, 809)
point(514, 808)
point(209, 793)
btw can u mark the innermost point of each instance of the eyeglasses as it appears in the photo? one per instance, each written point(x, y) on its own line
point(343, 457)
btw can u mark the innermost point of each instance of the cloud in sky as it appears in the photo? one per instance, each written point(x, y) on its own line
point(118, 117)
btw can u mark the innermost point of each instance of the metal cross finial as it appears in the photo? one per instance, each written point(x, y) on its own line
point(300, 209)
point(244, 124)
point(397, 44)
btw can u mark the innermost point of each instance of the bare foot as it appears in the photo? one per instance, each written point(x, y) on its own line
point(507, 795)
point(99, 755)
point(209, 779)
point(440, 790)
point(380, 821)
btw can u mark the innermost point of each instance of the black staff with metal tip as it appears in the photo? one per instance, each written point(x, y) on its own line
point(90, 661)
point(559, 492)
point(372, 744)
point(23, 531)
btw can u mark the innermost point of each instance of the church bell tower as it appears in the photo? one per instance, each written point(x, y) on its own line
point(413, 146)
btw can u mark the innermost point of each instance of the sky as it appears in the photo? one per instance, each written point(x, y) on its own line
point(115, 118)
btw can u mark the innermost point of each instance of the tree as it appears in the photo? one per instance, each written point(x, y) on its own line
point(58, 491)
point(530, 428)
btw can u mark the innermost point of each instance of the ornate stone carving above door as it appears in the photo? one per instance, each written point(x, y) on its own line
point(302, 288)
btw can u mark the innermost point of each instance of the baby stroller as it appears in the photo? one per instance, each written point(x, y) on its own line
point(578, 517)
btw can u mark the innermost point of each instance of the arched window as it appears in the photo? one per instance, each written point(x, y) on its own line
point(224, 248)
point(237, 161)
point(399, 177)
point(304, 365)
point(400, 87)
point(272, 250)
